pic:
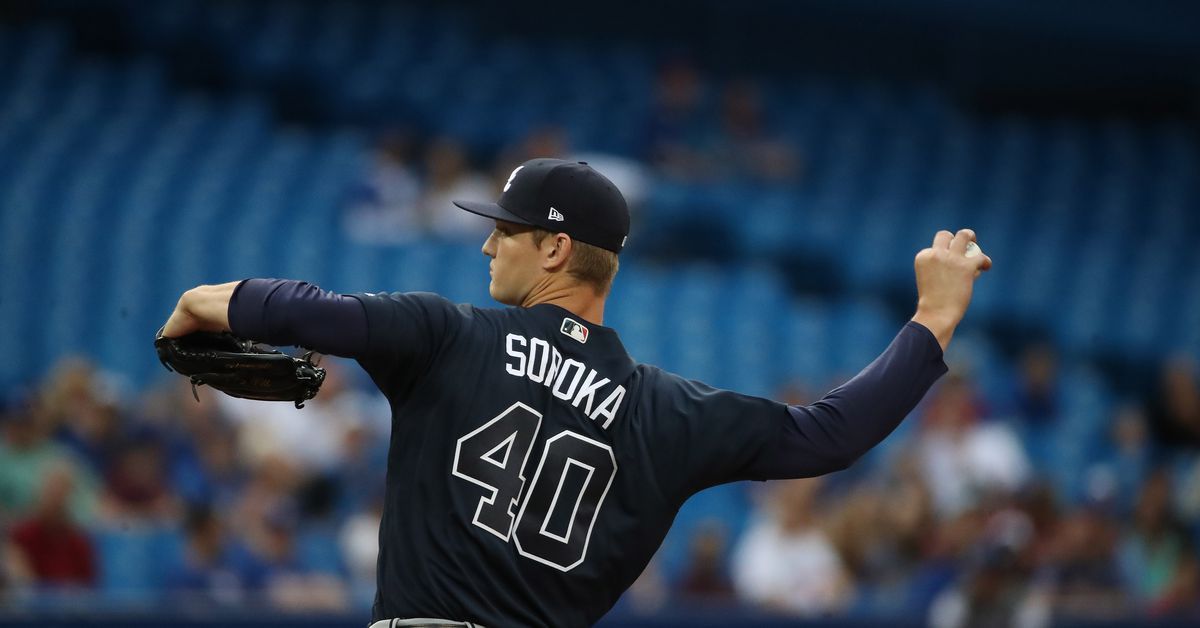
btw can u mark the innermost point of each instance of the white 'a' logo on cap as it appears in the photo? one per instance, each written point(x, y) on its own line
point(508, 184)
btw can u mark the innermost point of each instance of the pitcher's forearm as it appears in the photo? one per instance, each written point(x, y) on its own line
point(203, 308)
point(832, 433)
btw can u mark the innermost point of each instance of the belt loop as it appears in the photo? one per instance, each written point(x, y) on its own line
point(394, 620)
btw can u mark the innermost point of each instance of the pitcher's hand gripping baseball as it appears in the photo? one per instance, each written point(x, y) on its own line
point(946, 273)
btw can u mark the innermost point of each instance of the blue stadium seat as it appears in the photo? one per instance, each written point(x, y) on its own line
point(132, 562)
point(318, 550)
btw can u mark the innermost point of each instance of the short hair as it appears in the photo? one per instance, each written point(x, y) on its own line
point(589, 264)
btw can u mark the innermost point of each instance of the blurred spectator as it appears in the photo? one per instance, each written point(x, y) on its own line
point(785, 561)
point(136, 482)
point(991, 595)
point(855, 530)
point(203, 575)
point(1187, 492)
point(129, 457)
point(269, 490)
point(744, 147)
point(1040, 504)
point(265, 544)
point(1175, 409)
point(881, 533)
point(449, 177)
point(57, 550)
point(677, 123)
point(359, 543)
point(214, 475)
point(383, 209)
point(15, 572)
point(27, 455)
point(1156, 556)
point(268, 565)
point(964, 458)
point(950, 542)
point(1182, 597)
point(317, 531)
point(994, 589)
point(1085, 578)
point(271, 556)
point(545, 141)
point(704, 578)
point(907, 514)
point(80, 414)
point(1123, 468)
point(359, 480)
point(1037, 385)
point(203, 465)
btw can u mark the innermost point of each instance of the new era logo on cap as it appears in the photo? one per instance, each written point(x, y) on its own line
point(575, 330)
point(554, 215)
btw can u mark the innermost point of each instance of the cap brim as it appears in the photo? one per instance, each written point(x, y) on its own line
point(491, 210)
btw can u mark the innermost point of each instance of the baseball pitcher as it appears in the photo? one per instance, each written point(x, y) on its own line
point(534, 467)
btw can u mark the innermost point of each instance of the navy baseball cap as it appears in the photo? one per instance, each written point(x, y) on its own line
point(562, 197)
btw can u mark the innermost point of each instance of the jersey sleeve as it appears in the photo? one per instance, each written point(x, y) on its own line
point(405, 332)
point(712, 436)
point(391, 335)
point(285, 312)
point(706, 436)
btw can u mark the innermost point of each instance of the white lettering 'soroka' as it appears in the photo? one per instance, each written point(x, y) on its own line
point(570, 381)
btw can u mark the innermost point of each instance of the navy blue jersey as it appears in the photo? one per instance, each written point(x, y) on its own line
point(534, 467)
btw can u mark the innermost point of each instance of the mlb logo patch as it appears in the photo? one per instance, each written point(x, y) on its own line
point(574, 330)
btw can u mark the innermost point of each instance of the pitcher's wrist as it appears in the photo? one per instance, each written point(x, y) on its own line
point(941, 324)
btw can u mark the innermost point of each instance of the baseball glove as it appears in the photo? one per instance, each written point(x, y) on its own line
point(240, 367)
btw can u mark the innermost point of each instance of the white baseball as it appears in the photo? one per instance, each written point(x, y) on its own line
point(973, 250)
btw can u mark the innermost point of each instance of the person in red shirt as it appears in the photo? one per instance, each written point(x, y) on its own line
point(57, 551)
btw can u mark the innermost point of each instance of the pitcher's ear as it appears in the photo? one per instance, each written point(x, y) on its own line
point(559, 251)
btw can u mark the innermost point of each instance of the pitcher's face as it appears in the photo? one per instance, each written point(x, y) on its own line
point(516, 262)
